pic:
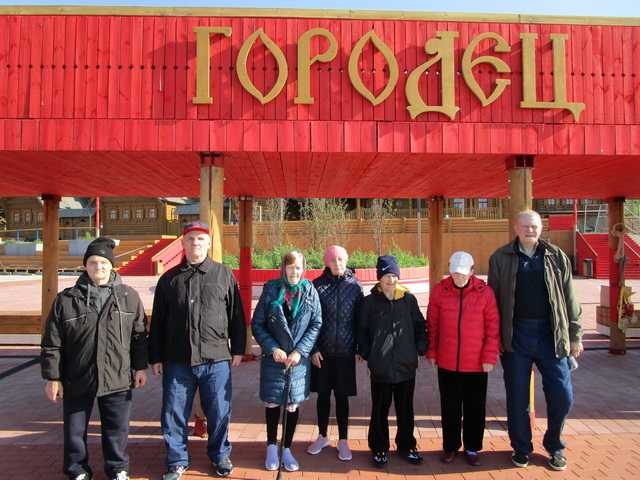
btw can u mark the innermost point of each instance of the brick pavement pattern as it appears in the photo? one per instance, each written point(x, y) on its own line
point(603, 432)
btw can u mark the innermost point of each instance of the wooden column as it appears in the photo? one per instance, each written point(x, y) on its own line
point(437, 264)
point(617, 340)
point(50, 247)
point(246, 269)
point(520, 170)
point(212, 200)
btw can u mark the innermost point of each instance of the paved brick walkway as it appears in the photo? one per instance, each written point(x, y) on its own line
point(603, 433)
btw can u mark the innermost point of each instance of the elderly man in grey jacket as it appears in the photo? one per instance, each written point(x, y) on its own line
point(539, 323)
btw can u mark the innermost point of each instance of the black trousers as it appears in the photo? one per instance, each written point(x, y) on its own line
point(114, 419)
point(323, 408)
point(381, 396)
point(463, 397)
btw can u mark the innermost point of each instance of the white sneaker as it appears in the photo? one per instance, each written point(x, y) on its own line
point(344, 452)
point(272, 460)
point(83, 476)
point(123, 475)
point(317, 446)
point(290, 463)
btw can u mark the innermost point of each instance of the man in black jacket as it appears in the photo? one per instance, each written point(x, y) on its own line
point(391, 336)
point(94, 338)
point(197, 331)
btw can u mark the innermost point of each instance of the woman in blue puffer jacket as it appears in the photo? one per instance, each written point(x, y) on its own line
point(334, 360)
point(286, 324)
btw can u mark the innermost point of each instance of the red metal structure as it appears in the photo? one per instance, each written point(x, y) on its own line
point(100, 100)
point(301, 103)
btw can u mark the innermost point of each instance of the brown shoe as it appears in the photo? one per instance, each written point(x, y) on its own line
point(447, 457)
point(472, 459)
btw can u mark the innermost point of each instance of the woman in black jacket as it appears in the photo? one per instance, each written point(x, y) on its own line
point(391, 337)
point(334, 360)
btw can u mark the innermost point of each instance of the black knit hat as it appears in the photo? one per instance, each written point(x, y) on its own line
point(101, 246)
point(387, 264)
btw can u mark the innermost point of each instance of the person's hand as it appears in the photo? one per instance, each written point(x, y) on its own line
point(293, 359)
point(53, 390)
point(576, 349)
point(279, 355)
point(359, 358)
point(139, 378)
point(487, 367)
point(157, 368)
point(316, 359)
point(433, 362)
point(236, 360)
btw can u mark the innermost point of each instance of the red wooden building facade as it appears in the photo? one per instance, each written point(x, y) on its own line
point(115, 101)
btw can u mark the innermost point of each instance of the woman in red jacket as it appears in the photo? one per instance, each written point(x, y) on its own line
point(463, 326)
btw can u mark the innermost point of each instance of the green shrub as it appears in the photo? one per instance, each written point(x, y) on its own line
point(231, 261)
point(270, 259)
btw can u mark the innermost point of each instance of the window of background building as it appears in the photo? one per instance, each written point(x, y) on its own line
point(458, 203)
point(126, 214)
point(483, 203)
point(27, 217)
point(139, 213)
point(113, 214)
point(551, 202)
point(16, 217)
point(39, 217)
point(152, 213)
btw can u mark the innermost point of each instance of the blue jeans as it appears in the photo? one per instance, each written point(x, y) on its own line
point(179, 383)
point(532, 342)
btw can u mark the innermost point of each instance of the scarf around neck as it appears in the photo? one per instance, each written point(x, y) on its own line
point(291, 294)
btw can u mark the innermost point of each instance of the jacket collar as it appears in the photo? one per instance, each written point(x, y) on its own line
point(474, 283)
point(348, 274)
point(513, 247)
point(399, 292)
point(202, 268)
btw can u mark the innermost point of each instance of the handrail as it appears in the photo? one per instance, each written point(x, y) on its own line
point(164, 258)
point(580, 235)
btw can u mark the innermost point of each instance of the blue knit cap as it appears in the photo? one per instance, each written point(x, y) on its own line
point(387, 264)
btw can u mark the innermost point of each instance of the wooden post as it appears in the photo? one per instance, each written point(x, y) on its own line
point(98, 219)
point(617, 340)
point(436, 261)
point(246, 277)
point(212, 200)
point(520, 169)
point(50, 246)
point(418, 226)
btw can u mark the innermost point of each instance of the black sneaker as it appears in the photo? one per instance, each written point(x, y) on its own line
point(412, 456)
point(224, 467)
point(380, 459)
point(174, 473)
point(81, 476)
point(520, 459)
point(558, 462)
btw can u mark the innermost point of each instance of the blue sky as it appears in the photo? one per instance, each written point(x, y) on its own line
point(624, 8)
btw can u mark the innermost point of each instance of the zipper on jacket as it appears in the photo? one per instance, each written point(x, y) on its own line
point(335, 345)
point(459, 330)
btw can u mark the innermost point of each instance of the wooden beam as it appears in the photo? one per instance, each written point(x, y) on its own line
point(437, 263)
point(617, 340)
point(50, 247)
point(246, 269)
point(212, 201)
point(520, 172)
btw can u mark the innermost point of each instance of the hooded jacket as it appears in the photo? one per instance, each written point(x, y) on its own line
point(391, 335)
point(340, 298)
point(463, 325)
point(94, 337)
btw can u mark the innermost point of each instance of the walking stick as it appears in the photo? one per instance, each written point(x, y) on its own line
point(285, 404)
